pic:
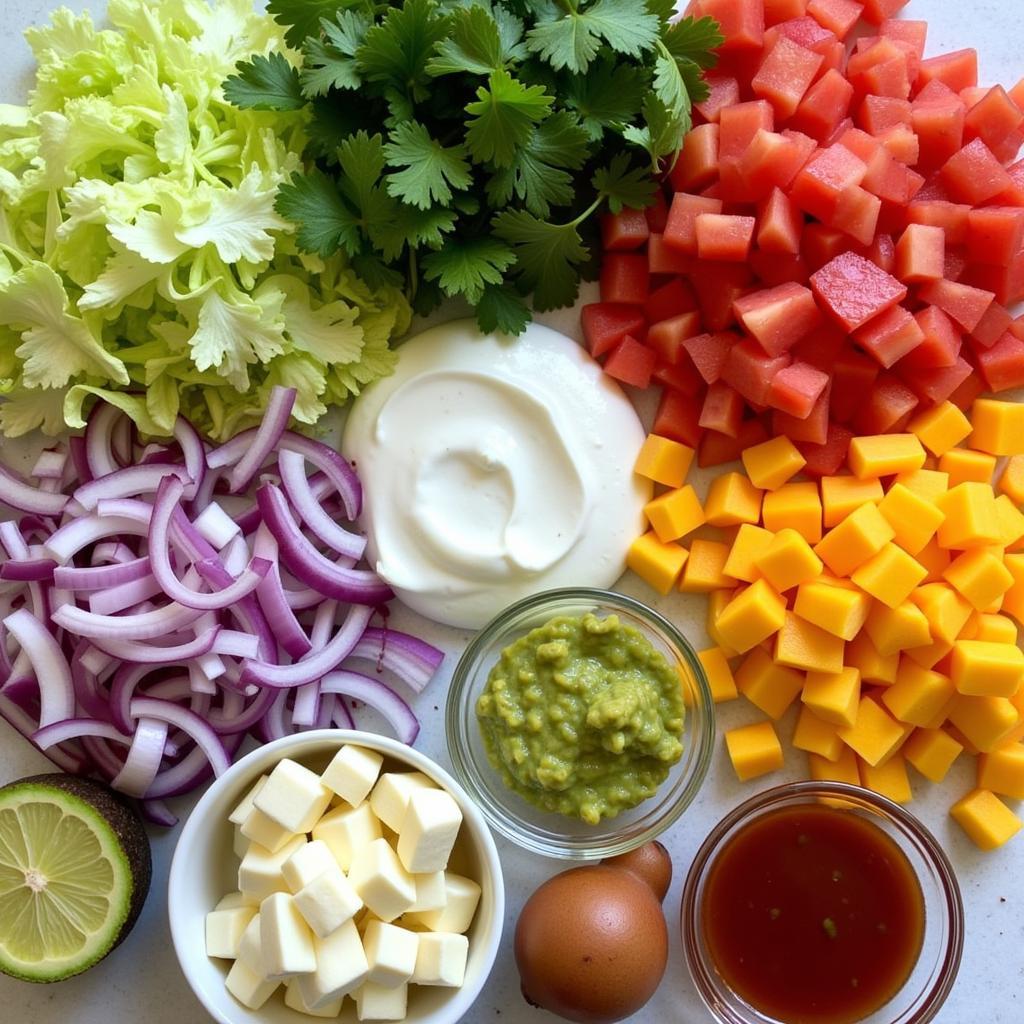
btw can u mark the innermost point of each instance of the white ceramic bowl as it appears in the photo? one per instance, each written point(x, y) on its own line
point(204, 869)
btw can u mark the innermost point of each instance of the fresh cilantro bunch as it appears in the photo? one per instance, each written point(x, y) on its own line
point(460, 148)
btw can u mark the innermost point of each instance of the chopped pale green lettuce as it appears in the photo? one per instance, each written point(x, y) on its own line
point(141, 257)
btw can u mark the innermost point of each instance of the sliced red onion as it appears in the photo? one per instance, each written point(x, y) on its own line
point(98, 431)
point(201, 682)
point(306, 708)
point(194, 451)
point(413, 660)
point(233, 643)
point(142, 626)
point(27, 498)
point(235, 557)
point(144, 757)
point(103, 577)
point(76, 729)
point(51, 668)
point(341, 715)
point(205, 738)
point(126, 595)
point(265, 440)
point(379, 697)
point(152, 654)
point(79, 459)
point(35, 569)
point(239, 722)
point(50, 464)
point(94, 660)
point(80, 533)
point(111, 552)
point(127, 483)
point(216, 526)
point(91, 696)
point(13, 541)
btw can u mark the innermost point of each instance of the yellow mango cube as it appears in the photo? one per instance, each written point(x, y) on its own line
point(979, 576)
point(849, 545)
point(983, 669)
point(664, 461)
point(816, 736)
point(925, 483)
point(935, 559)
point(675, 513)
point(985, 722)
point(875, 735)
point(940, 428)
point(932, 752)
point(841, 495)
point(788, 561)
point(1011, 521)
point(842, 769)
point(752, 616)
point(971, 517)
point(998, 426)
point(988, 822)
point(914, 519)
point(929, 655)
point(838, 610)
point(889, 779)
point(918, 695)
point(885, 455)
point(946, 611)
point(1011, 480)
point(657, 564)
point(1013, 599)
point(771, 463)
point(874, 667)
point(704, 570)
point(890, 576)
point(795, 506)
point(897, 629)
point(964, 466)
point(996, 628)
point(799, 644)
point(717, 602)
point(748, 545)
point(1002, 771)
point(833, 696)
point(769, 687)
point(754, 750)
point(732, 500)
point(719, 674)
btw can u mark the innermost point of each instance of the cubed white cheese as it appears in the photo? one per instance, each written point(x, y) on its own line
point(224, 930)
point(259, 874)
point(340, 967)
point(441, 959)
point(241, 811)
point(293, 796)
point(428, 830)
point(352, 773)
point(264, 831)
point(461, 898)
point(239, 842)
point(249, 951)
point(430, 892)
point(248, 987)
point(381, 881)
point(374, 1002)
point(293, 999)
point(306, 863)
point(391, 795)
point(286, 943)
point(390, 952)
point(346, 830)
point(236, 899)
point(328, 901)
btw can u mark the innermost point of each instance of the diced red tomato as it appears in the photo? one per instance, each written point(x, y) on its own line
point(625, 230)
point(823, 180)
point(994, 118)
point(778, 317)
point(718, 286)
point(708, 352)
point(854, 290)
point(605, 324)
point(749, 369)
point(741, 22)
point(667, 337)
point(723, 91)
point(722, 410)
point(880, 69)
point(853, 378)
point(824, 106)
point(822, 244)
point(780, 225)
point(677, 418)
point(666, 259)
point(772, 268)
point(838, 16)
point(724, 236)
point(795, 389)
point(921, 254)
point(889, 336)
point(625, 277)
point(992, 326)
point(782, 10)
point(968, 391)
point(681, 230)
point(940, 343)
point(670, 299)
point(876, 11)
point(958, 70)
point(697, 165)
point(880, 113)
point(886, 408)
point(772, 160)
point(936, 385)
point(995, 234)
point(716, 449)
point(1002, 365)
point(786, 74)
point(812, 428)
point(951, 217)
point(631, 363)
point(938, 123)
point(966, 305)
point(974, 174)
point(826, 459)
point(882, 252)
point(656, 214)
point(680, 377)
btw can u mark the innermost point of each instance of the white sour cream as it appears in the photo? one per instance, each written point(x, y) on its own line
point(494, 468)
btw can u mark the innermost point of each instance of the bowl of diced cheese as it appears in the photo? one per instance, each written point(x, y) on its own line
point(336, 874)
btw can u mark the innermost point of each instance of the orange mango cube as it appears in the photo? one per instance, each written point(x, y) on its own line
point(748, 545)
point(874, 667)
point(675, 513)
point(875, 735)
point(719, 674)
point(833, 696)
point(998, 426)
point(704, 570)
point(914, 519)
point(799, 644)
point(984, 721)
point(842, 769)
point(971, 517)
point(946, 611)
point(664, 461)
point(890, 779)
point(796, 506)
point(885, 455)
point(752, 616)
point(816, 736)
point(932, 752)
point(897, 629)
point(980, 668)
point(770, 464)
point(980, 577)
point(841, 495)
point(1002, 771)
point(732, 499)
point(940, 428)
point(918, 695)
point(964, 466)
point(769, 687)
point(656, 563)
point(926, 483)
point(838, 610)
point(986, 819)
point(1011, 480)
point(890, 576)
point(849, 545)
point(754, 750)
point(788, 561)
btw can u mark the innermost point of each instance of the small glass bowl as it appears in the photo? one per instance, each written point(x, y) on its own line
point(547, 833)
point(930, 982)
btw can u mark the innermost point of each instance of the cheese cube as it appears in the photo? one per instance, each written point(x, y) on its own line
point(1002, 771)
point(430, 892)
point(918, 694)
point(754, 750)
point(946, 611)
point(250, 950)
point(236, 899)
point(986, 819)
point(428, 831)
point(801, 645)
point(328, 901)
point(771, 463)
point(244, 807)
point(942, 427)
point(345, 830)
point(248, 987)
point(461, 898)
point(381, 881)
point(914, 519)
point(224, 930)
point(890, 576)
point(796, 507)
point(980, 577)
point(341, 967)
point(390, 796)
point(293, 1000)
point(239, 842)
point(833, 696)
point(788, 561)
point(264, 831)
point(961, 466)
point(720, 677)
point(664, 461)
point(971, 517)
point(675, 513)
point(889, 779)
point(441, 959)
point(306, 863)
point(817, 736)
point(732, 500)
point(352, 773)
point(293, 796)
point(849, 545)
point(984, 721)
point(875, 735)
point(748, 545)
point(843, 769)
point(768, 686)
point(998, 426)
point(657, 564)
point(260, 872)
point(885, 455)
point(704, 570)
point(286, 943)
point(374, 1002)
point(932, 752)
point(390, 952)
point(983, 669)
point(841, 611)
point(750, 617)
point(841, 495)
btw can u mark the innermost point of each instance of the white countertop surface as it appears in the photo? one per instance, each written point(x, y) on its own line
point(141, 981)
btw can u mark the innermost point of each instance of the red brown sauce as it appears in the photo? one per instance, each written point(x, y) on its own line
point(813, 915)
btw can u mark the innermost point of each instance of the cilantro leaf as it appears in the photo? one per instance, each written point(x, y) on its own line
point(303, 16)
point(695, 40)
point(395, 51)
point(608, 96)
point(265, 83)
point(409, 225)
point(623, 185)
point(565, 42)
point(464, 267)
point(547, 256)
point(325, 221)
point(502, 117)
point(500, 309)
point(362, 160)
point(431, 170)
point(663, 130)
point(330, 63)
point(475, 45)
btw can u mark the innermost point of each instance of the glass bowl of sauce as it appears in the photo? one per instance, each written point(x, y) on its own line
point(822, 903)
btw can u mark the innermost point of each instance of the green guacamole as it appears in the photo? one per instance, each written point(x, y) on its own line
point(583, 716)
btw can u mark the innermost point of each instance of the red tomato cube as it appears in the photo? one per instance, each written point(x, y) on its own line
point(724, 236)
point(824, 106)
point(886, 408)
point(779, 225)
point(722, 410)
point(958, 69)
point(854, 290)
point(667, 337)
point(890, 336)
point(666, 259)
point(1002, 365)
point(625, 230)
point(796, 388)
point(708, 353)
point(838, 16)
point(785, 75)
point(992, 326)
point(741, 22)
point(880, 113)
point(826, 459)
point(749, 369)
point(681, 377)
point(772, 160)
point(995, 234)
point(697, 164)
point(782, 10)
point(625, 277)
point(966, 305)
point(677, 418)
point(778, 317)
point(974, 174)
point(605, 324)
point(668, 300)
point(921, 254)
point(876, 11)
point(631, 363)
point(812, 428)
point(681, 230)
point(723, 91)
point(935, 385)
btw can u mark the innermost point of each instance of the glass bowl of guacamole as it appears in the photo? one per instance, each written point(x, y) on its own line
point(581, 723)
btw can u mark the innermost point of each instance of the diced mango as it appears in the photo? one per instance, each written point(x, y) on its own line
point(998, 426)
point(964, 466)
point(980, 577)
point(732, 499)
point(940, 428)
point(874, 667)
point(771, 463)
point(897, 629)
point(788, 561)
point(717, 601)
point(750, 617)
point(984, 721)
point(1011, 480)
point(971, 518)
point(918, 695)
point(799, 644)
point(838, 610)
point(929, 655)
point(946, 611)
point(816, 736)
point(675, 513)
point(996, 628)
point(768, 686)
point(796, 506)
point(1013, 600)
point(719, 674)
point(849, 545)
point(754, 750)
point(935, 559)
point(885, 455)
point(657, 564)
point(833, 696)
point(986, 819)
point(704, 570)
point(1011, 522)
point(841, 495)
point(890, 576)
point(842, 769)
point(749, 543)
point(925, 483)
point(664, 461)
point(914, 519)
point(1002, 771)
point(982, 669)
point(875, 735)
point(932, 752)
point(889, 779)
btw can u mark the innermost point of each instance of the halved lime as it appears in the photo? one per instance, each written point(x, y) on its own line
point(74, 871)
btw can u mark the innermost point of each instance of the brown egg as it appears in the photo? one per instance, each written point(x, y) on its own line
point(651, 862)
point(591, 944)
